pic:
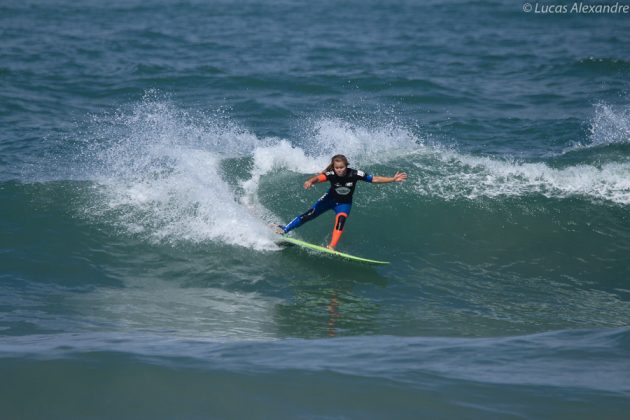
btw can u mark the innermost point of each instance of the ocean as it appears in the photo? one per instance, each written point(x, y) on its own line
point(147, 146)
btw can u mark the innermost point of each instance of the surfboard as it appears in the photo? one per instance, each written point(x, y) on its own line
point(324, 250)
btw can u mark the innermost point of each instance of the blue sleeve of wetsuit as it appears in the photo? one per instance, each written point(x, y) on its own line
point(363, 176)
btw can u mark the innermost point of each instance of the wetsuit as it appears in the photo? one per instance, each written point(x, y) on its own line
point(338, 197)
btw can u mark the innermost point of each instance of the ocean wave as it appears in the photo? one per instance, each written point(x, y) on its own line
point(451, 175)
point(160, 171)
point(571, 358)
point(170, 176)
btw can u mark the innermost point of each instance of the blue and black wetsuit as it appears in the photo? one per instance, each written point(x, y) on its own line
point(338, 197)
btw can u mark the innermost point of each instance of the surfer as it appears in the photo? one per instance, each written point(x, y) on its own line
point(343, 180)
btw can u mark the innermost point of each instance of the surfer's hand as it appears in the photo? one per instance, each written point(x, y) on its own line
point(400, 176)
point(308, 184)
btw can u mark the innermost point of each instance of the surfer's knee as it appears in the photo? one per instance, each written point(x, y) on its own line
point(310, 214)
point(340, 220)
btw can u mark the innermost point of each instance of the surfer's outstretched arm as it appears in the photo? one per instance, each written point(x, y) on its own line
point(399, 177)
point(314, 180)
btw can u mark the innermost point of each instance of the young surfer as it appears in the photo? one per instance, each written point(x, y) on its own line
point(343, 180)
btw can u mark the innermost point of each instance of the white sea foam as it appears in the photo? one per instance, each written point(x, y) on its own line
point(162, 176)
point(453, 175)
point(330, 136)
point(361, 144)
point(610, 125)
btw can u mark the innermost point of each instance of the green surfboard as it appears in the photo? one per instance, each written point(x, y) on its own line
point(328, 251)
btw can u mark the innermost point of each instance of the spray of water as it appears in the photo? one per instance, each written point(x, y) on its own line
point(160, 172)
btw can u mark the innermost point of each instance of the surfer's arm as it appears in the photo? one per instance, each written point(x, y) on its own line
point(399, 177)
point(314, 180)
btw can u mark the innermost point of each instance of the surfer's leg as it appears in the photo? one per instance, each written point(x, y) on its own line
point(322, 205)
point(342, 212)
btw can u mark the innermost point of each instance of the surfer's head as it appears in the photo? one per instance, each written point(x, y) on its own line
point(339, 164)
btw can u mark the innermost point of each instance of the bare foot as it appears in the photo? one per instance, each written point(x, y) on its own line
point(332, 248)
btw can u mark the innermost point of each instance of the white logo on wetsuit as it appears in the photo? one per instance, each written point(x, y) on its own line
point(343, 190)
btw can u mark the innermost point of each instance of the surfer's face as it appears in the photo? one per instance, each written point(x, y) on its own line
point(340, 168)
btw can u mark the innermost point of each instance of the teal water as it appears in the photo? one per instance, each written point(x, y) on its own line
point(146, 147)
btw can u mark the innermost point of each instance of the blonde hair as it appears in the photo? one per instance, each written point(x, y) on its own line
point(336, 158)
